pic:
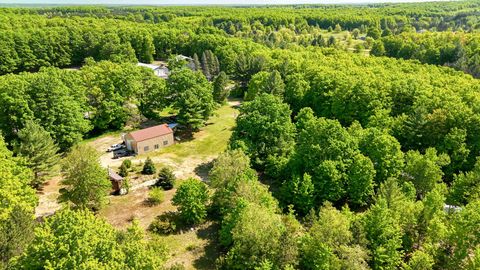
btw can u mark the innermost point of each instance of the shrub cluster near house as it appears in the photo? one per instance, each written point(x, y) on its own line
point(356, 145)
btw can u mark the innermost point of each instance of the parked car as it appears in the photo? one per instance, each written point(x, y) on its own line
point(115, 147)
point(120, 153)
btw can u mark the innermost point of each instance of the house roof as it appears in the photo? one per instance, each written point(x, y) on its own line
point(151, 132)
point(114, 176)
point(150, 66)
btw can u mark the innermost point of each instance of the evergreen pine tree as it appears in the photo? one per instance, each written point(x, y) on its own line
point(220, 90)
point(149, 167)
point(41, 152)
point(196, 62)
point(205, 65)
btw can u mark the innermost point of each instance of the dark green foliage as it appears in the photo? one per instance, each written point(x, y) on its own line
point(166, 178)
point(191, 95)
point(15, 233)
point(264, 130)
point(149, 167)
point(220, 88)
point(164, 224)
point(123, 170)
point(127, 163)
point(36, 145)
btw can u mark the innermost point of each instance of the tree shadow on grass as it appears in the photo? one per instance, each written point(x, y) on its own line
point(212, 250)
point(203, 169)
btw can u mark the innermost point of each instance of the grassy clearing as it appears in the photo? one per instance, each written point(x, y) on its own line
point(210, 140)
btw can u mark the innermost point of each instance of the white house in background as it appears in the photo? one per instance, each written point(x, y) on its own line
point(189, 60)
point(159, 70)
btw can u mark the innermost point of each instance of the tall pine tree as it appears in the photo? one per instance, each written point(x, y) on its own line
point(39, 149)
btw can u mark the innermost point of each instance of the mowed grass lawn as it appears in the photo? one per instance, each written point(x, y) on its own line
point(210, 140)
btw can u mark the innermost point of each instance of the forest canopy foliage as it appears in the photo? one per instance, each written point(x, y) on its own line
point(339, 159)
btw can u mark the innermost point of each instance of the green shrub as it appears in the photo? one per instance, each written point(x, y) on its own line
point(166, 178)
point(164, 224)
point(156, 196)
point(127, 163)
point(149, 167)
point(123, 170)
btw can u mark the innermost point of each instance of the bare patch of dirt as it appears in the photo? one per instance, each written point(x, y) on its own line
point(47, 198)
point(123, 209)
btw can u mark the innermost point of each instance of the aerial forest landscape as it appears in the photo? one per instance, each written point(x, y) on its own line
point(257, 137)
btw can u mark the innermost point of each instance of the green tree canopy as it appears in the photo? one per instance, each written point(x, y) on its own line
point(40, 151)
point(79, 240)
point(191, 95)
point(191, 198)
point(85, 183)
point(264, 129)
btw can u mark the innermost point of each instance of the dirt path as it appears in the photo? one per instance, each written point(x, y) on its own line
point(47, 198)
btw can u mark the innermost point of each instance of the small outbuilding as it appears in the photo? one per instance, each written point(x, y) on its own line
point(116, 180)
point(149, 139)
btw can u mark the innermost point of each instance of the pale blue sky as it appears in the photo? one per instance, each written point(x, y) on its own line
point(196, 2)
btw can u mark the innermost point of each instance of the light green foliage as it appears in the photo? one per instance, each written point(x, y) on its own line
point(79, 240)
point(329, 243)
point(17, 207)
point(424, 171)
point(111, 87)
point(265, 82)
point(420, 260)
point(14, 180)
point(53, 98)
point(296, 88)
point(153, 98)
point(384, 151)
point(465, 235)
point(264, 129)
point(465, 186)
point(255, 224)
point(191, 198)
point(326, 151)
point(85, 183)
point(384, 236)
point(299, 192)
point(38, 148)
point(191, 95)
point(156, 196)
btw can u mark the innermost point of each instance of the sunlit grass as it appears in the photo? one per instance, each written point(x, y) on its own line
point(209, 140)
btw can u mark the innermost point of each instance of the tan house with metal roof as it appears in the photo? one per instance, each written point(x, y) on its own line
point(149, 139)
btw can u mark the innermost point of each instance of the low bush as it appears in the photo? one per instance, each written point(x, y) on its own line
point(164, 224)
point(156, 196)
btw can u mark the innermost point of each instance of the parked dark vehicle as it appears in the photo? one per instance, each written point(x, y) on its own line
point(121, 153)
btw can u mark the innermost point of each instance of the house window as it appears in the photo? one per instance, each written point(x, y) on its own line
point(145, 149)
point(165, 142)
point(156, 146)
